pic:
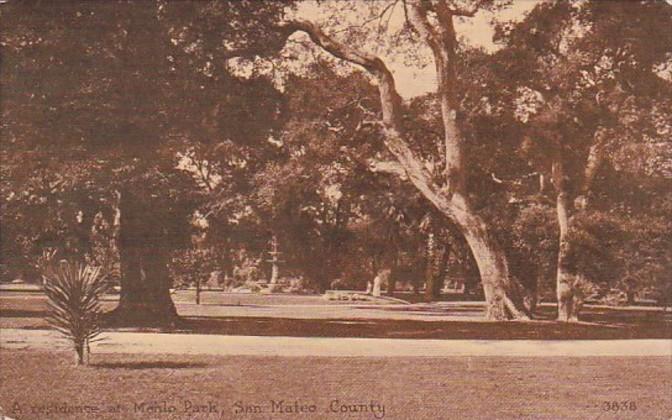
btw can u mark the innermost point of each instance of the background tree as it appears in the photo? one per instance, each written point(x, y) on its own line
point(110, 115)
point(443, 183)
point(592, 78)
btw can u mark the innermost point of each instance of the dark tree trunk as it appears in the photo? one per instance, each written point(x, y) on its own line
point(441, 264)
point(81, 354)
point(532, 296)
point(391, 285)
point(145, 284)
point(437, 258)
point(430, 257)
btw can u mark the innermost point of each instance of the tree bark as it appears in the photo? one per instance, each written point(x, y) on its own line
point(532, 297)
point(145, 283)
point(504, 300)
point(566, 290)
point(565, 280)
point(437, 256)
point(430, 257)
point(80, 359)
point(440, 271)
point(503, 297)
point(392, 281)
point(568, 281)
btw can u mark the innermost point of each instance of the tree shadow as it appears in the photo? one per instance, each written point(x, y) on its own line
point(614, 316)
point(229, 305)
point(22, 313)
point(439, 329)
point(429, 309)
point(148, 365)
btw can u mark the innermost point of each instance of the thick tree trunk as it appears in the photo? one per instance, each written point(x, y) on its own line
point(503, 297)
point(504, 300)
point(566, 280)
point(145, 284)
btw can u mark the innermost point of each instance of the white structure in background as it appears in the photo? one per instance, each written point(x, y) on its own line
point(275, 260)
point(381, 279)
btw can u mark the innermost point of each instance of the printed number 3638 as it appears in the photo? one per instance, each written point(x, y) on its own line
point(619, 406)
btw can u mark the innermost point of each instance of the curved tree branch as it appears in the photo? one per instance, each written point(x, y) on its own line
point(391, 108)
point(463, 11)
point(442, 40)
point(492, 264)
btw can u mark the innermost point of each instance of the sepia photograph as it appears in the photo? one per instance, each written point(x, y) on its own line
point(335, 209)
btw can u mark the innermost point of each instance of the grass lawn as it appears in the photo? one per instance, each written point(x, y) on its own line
point(408, 388)
point(603, 324)
point(18, 311)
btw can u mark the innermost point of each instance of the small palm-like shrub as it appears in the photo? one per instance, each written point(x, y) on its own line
point(74, 292)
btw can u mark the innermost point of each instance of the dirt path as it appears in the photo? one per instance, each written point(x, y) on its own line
point(158, 343)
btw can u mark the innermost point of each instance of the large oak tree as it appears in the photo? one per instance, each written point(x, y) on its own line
point(444, 184)
point(594, 87)
point(99, 97)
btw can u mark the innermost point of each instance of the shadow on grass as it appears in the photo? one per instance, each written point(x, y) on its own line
point(147, 365)
point(433, 310)
point(19, 313)
point(223, 305)
point(385, 328)
point(611, 316)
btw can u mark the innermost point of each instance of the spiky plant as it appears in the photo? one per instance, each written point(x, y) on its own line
point(74, 291)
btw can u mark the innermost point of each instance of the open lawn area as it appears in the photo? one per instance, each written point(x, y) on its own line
point(311, 316)
point(150, 386)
